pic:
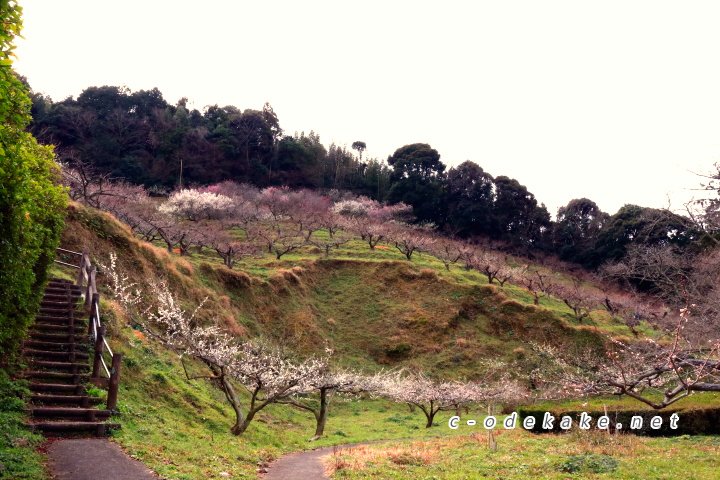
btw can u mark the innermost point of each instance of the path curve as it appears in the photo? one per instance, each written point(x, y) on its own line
point(303, 465)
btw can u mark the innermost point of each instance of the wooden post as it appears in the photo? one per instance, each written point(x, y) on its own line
point(81, 273)
point(91, 280)
point(97, 362)
point(95, 301)
point(114, 381)
point(90, 285)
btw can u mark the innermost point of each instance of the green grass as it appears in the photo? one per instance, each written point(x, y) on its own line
point(19, 458)
point(614, 403)
point(521, 455)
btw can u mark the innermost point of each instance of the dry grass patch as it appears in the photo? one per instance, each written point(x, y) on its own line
point(419, 453)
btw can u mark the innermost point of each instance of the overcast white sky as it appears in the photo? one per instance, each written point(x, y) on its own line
point(611, 100)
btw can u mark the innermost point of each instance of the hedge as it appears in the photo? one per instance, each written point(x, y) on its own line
point(32, 201)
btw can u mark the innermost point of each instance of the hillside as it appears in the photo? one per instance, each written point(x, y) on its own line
point(375, 310)
point(371, 307)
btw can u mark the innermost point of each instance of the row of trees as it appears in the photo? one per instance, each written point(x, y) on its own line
point(141, 138)
point(655, 372)
point(238, 221)
point(272, 376)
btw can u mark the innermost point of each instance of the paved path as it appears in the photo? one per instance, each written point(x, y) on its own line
point(299, 466)
point(304, 465)
point(94, 459)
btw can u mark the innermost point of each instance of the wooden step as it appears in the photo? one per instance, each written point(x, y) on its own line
point(55, 303)
point(60, 297)
point(64, 376)
point(56, 388)
point(51, 328)
point(74, 366)
point(51, 354)
point(44, 317)
point(61, 281)
point(54, 311)
point(79, 337)
point(82, 401)
point(58, 290)
point(48, 320)
point(53, 284)
point(54, 346)
point(64, 413)
point(99, 428)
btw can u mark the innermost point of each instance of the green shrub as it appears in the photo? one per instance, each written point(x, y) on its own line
point(31, 200)
point(589, 463)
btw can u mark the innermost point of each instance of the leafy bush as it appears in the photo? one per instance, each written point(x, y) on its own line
point(31, 200)
point(589, 463)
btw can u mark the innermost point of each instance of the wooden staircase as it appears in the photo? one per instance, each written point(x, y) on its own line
point(57, 353)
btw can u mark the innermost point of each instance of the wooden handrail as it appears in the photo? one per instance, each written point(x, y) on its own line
point(68, 251)
point(86, 280)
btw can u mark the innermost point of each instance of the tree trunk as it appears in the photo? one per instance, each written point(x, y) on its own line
point(240, 427)
point(321, 415)
point(430, 416)
point(234, 401)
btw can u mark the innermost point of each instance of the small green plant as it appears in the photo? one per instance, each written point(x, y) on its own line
point(95, 392)
point(590, 464)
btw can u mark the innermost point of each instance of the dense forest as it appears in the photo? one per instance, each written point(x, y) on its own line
point(141, 138)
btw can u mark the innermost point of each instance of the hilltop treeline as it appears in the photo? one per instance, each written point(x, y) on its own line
point(140, 137)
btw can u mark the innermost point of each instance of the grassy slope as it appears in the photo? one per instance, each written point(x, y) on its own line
point(373, 307)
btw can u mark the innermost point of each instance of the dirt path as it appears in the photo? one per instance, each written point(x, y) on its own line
point(303, 465)
point(94, 459)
